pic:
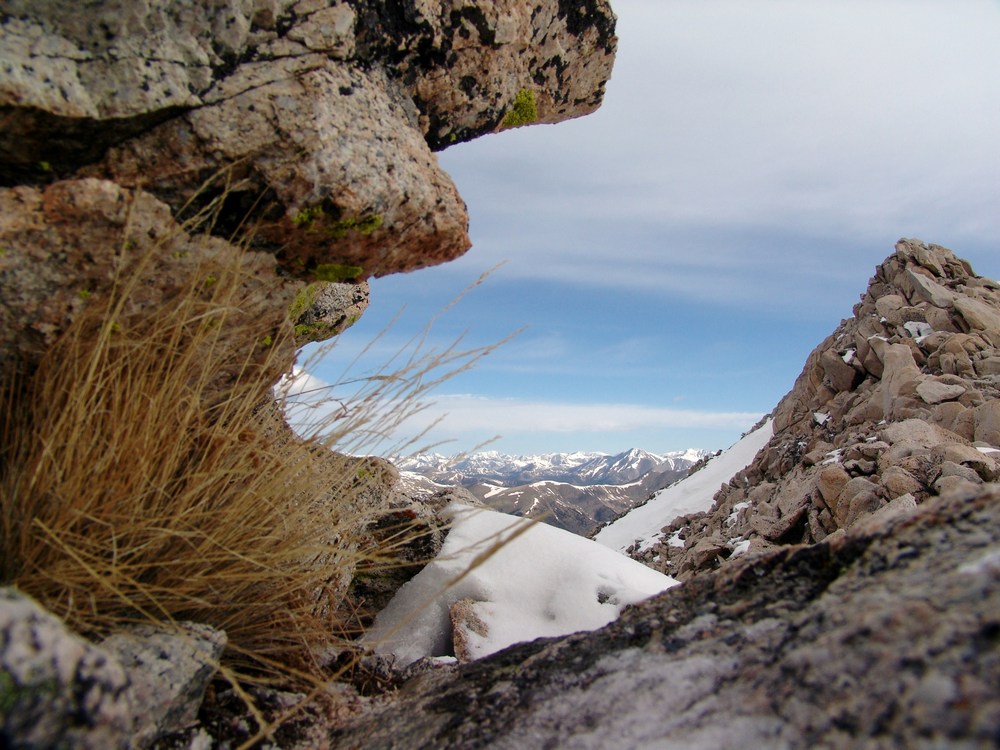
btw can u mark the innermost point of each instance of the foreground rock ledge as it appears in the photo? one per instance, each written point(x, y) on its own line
point(885, 637)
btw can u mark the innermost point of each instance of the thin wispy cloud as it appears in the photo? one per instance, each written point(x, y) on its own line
point(466, 413)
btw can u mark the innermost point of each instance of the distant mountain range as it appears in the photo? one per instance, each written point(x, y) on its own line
point(574, 491)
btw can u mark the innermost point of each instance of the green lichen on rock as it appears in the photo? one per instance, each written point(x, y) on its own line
point(306, 332)
point(304, 299)
point(14, 695)
point(335, 272)
point(524, 111)
point(313, 219)
point(366, 226)
point(307, 217)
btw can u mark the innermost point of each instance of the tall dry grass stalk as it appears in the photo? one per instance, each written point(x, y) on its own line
point(133, 488)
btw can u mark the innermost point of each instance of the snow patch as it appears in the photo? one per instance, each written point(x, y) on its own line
point(734, 514)
point(740, 548)
point(527, 580)
point(986, 564)
point(693, 494)
point(494, 491)
point(675, 539)
point(918, 330)
point(833, 457)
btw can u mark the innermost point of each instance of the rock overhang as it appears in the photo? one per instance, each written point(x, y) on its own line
point(314, 122)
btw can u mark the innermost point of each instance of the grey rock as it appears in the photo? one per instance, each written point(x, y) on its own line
point(987, 422)
point(329, 309)
point(979, 315)
point(169, 670)
point(831, 481)
point(899, 376)
point(898, 482)
point(951, 469)
point(935, 392)
point(56, 689)
point(881, 637)
point(923, 288)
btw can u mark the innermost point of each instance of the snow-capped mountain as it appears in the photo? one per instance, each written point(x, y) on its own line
point(641, 527)
point(580, 468)
point(574, 491)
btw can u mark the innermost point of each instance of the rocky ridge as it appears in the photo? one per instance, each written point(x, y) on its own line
point(900, 404)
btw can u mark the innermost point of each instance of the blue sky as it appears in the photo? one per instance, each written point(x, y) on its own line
point(675, 256)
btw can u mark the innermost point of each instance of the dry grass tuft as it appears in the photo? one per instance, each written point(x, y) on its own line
point(133, 488)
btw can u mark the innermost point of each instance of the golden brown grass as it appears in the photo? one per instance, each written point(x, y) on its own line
point(134, 489)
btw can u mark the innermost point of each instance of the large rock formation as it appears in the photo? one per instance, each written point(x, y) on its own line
point(898, 405)
point(312, 123)
point(154, 146)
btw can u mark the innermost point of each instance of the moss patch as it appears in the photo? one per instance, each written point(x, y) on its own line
point(307, 217)
point(366, 226)
point(314, 219)
point(524, 111)
point(13, 695)
point(334, 272)
point(305, 298)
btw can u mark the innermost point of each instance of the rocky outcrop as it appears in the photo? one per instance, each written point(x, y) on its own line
point(149, 148)
point(897, 406)
point(310, 123)
point(884, 636)
point(58, 690)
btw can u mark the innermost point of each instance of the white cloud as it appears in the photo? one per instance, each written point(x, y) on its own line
point(853, 122)
point(470, 419)
point(468, 413)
